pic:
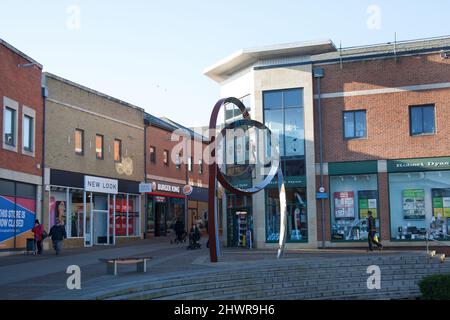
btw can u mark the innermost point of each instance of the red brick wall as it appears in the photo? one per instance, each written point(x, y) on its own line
point(385, 222)
point(161, 140)
point(387, 114)
point(24, 86)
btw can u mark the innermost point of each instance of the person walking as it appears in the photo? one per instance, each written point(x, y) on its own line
point(38, 231)
point(58, 234)
point(179, 230)
point(372, 230)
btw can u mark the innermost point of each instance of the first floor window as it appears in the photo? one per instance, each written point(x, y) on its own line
point(166, 157)
point(355, 124)
point(200, 166)
point(153, 155)
point(190, 164)
point(117, 150)
point(422, 120)
point(27, 135)
point(352, 197)
point(79, 141)
point(10, 127)
point(99, 146)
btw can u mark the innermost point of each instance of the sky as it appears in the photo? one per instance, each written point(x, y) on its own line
point(153, 53)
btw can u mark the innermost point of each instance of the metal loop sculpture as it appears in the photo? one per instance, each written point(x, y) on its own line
point(215, 175)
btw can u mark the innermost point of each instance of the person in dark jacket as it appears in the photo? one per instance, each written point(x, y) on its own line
point(38, 231)
point(179, 229)
point(372, 230)
point(58, 234)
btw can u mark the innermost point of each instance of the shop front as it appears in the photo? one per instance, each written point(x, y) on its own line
point(198, 209)
point(353, 193)
point(94, 210)
point(17, 213)
point(165, 205)
point(419, 192)
point(239, 221)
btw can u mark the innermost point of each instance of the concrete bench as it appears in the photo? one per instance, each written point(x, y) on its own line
point(140, 262)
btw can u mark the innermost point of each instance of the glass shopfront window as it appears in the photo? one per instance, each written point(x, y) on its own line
point(76, 214)
point(239, 221)
point(420, 201)
point(297, 222)
point(352, 198)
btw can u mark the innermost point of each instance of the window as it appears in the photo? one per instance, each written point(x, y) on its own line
point(152, 154)
point(99, 146)
point(178, 161)
point(422, 120)
point(200, 166)
point(166, 157)
point(233, 113)
point(27, 135)
point(190, 164)
point(355, 124)
point(10, 127)
point(284, 116)
point(79, 141)
point(117, 150)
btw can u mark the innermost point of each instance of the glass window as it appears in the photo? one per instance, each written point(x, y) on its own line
point(117, 150)
point(422, 120)
point(99, 146)
point(133, 216)
point(178, 161)
point(419, 201)
point(27, 135)
point(273, 100)
point(166, 157)
point(352, 197)
point(200, 166)
point(190, 164)
point(153, 155)
point(297, 223)
point(10, 130)
point(76, 215)
point(284, 116)
point(354, 124)
point(79, 141)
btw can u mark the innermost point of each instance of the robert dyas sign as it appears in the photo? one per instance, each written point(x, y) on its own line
point(101, 185)
point(427, 164)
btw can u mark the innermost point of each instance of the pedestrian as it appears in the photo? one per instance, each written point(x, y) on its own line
point(58, 234)
point(372, 230)
point(38, 231)
point(179, 230)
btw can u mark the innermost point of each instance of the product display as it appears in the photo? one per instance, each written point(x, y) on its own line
point(414, 204)
point(242, 228)
point(344, 205)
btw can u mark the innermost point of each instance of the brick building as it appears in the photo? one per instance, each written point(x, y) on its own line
point(21, 124)
point(169, 170)
point(94, 164)
point(385, 147)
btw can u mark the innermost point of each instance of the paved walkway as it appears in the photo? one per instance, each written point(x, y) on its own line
point(44, 277)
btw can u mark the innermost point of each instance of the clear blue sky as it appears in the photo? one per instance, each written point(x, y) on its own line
point(153, 53)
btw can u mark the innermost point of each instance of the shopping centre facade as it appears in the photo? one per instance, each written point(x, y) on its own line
point(368, 124)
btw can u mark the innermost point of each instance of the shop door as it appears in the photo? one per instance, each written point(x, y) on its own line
point(100, 219)
point(242, 228)
point(160, 218)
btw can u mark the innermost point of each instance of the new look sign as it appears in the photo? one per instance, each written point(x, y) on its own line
point(101, 185)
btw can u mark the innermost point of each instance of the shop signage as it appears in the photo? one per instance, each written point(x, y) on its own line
point(145, 187)
point(187, 190)
point(428, 164)
point(101, 185)
point(167, 188)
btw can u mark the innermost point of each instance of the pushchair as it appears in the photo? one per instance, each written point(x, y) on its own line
point(194, 238)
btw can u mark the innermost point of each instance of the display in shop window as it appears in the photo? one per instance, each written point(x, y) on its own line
point(367, 201)
point(344, 205)
point(17, 217)
point(414, 204)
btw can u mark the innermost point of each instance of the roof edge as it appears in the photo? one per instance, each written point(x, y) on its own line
point(20, 53)
point(98, 93)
